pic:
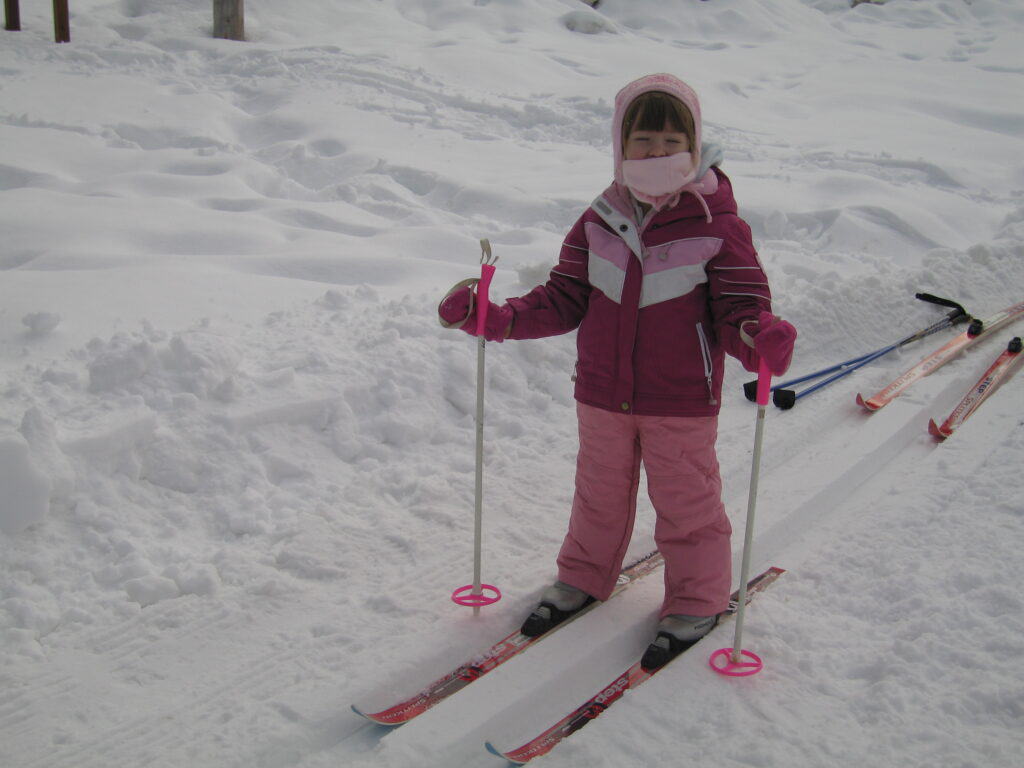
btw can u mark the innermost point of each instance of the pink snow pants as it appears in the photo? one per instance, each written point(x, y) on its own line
point(692, 530)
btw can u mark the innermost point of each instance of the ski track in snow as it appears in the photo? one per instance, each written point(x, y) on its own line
point(237, 448)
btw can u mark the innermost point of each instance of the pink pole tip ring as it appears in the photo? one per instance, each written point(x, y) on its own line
point(750, 663)
point(488, 594)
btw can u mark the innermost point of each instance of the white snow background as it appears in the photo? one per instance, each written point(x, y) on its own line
point(236, 447)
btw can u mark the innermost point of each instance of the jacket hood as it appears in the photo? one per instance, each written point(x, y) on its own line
point(660, 82)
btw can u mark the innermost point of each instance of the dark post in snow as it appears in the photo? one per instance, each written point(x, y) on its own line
point(61, 23)
point(229, 19)
point(12, 15)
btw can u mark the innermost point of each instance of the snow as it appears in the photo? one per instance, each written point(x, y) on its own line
point(236, 447)
point(27, 489)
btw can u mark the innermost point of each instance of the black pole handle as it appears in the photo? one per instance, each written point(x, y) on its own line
point(957, 315)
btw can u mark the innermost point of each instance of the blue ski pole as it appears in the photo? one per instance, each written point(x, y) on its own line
point(784, 397)
point(750, 388)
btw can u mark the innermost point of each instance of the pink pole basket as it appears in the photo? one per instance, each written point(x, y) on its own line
point(488, 595)
point(722, 662)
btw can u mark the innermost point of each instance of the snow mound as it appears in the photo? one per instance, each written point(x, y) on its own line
point(26, 489)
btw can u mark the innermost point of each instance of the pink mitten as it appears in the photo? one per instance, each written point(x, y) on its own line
point(459, 310)
point(773, 341)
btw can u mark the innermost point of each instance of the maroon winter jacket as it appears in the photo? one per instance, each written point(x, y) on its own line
point(657, 303)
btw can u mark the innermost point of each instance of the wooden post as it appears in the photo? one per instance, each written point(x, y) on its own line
point(229, 19)
point(12, 15)
point(61, 22)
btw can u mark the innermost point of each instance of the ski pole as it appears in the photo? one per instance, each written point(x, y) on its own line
point(736, 666)
point(750, 388)
point(474, 594)
point(487, 261)
point(786, 398)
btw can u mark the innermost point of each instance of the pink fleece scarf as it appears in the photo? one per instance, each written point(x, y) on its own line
point(661, 181)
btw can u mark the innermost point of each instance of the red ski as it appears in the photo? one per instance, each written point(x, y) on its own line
point(612, 692)
point(1002, 369)
point(978, 330)
point(494, 657)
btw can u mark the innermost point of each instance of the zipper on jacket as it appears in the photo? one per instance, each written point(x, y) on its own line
point(705, 352)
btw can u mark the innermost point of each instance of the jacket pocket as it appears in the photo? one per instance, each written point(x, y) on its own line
point(709, 370)
point(597, 342)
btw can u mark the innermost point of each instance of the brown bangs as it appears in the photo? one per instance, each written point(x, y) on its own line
point(653, 110)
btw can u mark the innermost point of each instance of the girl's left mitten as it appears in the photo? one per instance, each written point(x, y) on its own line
point(774, 342)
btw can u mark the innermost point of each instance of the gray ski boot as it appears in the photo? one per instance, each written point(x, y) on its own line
point(557, 603)
point(676, 633)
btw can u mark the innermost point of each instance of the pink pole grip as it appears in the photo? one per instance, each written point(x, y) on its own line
point(764, 384)
point(482, 297)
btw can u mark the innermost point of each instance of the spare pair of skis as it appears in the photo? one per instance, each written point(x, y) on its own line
point(978, 330)
point(785, 398)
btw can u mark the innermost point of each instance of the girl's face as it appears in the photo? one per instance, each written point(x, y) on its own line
point(644, 144)
point(657, 124)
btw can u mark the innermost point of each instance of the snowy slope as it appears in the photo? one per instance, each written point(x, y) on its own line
point(236, 449)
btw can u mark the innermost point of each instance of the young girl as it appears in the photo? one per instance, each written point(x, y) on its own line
point(661, 278)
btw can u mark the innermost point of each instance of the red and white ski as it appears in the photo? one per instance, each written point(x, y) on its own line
point(978, 330)
point(609, 694)
point(494, 657)
point(1002, 369)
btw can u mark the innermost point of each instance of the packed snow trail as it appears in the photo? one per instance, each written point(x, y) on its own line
point(810, 501)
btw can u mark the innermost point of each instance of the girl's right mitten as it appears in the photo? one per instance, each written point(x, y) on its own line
point(458, 309)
